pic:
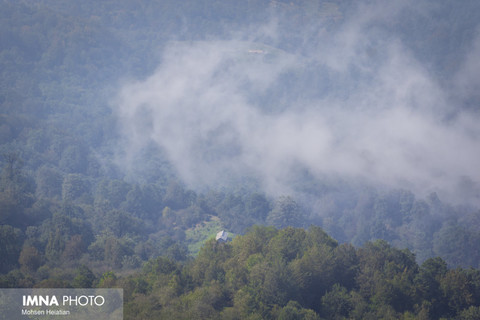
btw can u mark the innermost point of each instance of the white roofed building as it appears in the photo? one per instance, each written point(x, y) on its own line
point(222, 236)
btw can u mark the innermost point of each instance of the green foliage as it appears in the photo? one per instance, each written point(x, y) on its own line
point(314, 273)
point(253, 277)
point(49, 183)
point(75, 188)
point(176, 197)
point(10, 247)
point(107, 280)
point(115, 250)
point(113, 192)
point(64, 202)
point(196, 237)
point(453, 236)
point(457, 291)
point(287, 244)
point(337, 303)
point(30, 259)
point(294, 311)
point(84, 278)
point(471, 313)
point(16, 191)
point(74, 159)
point(286, 212)
point(428, 285)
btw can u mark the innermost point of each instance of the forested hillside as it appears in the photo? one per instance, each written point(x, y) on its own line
point(131, 132)
point(298, 274)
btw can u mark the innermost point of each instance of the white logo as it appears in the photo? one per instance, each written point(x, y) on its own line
point(37, 301)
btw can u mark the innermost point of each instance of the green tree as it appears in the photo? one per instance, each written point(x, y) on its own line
point(286, 212)
point(115, 250)
point(16, 191)
point(472, 313)
point(84, 278)
point(457, 291)
point(114, 192)
point(314, 274)
point(30, 259)
point(144, 201)
point(74, 248)
point(108, 280)
point(75, 188)
point(346, 265)
point(121, 223)
point(256, 240)
point(288, 244)
point(11, 240)
point(74, 159)
point(257, 207)
point(209, 264)
point(55, 245)
point(427, 284)
point(336, 304)
point(49, 183)
point(451, 237)
point(271, 283)
point(177, 197)
point(386, 275)
point(67, 231)
point(13, 178)
point(294, 311)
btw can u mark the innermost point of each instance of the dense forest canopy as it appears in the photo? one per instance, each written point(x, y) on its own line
point(131, 132)
point(298, 274)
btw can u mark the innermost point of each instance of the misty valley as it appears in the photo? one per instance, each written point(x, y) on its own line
point(333, 145)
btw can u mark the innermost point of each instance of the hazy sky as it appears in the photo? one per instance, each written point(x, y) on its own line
point(351, 101)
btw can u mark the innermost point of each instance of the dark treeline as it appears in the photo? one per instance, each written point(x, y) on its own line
point(292, 273)
point(59, 220)
point(298, 274)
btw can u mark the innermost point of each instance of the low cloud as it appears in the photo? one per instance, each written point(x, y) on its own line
point(354, 104)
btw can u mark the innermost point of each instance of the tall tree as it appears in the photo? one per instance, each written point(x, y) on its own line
point(11, 240)
point(286, 212)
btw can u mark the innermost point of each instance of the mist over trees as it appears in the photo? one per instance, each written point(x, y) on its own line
point(337, 141)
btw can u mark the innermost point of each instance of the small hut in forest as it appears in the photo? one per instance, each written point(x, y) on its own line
point(222, 236)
